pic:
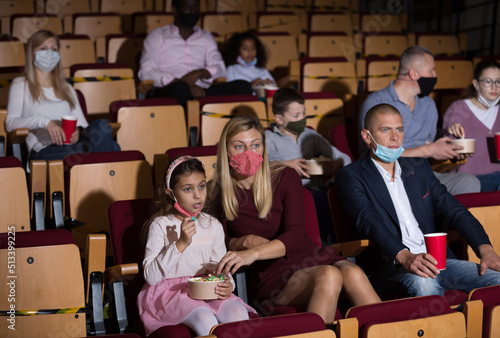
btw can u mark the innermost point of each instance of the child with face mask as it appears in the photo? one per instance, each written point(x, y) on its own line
point(246, 60)
point(291, 143)
point(41, 97)
point(183, 242)
point(477, 117)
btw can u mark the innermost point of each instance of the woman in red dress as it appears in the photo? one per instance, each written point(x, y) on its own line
point(261, 207)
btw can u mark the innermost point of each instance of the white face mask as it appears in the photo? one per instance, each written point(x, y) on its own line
point(485, 102)
point(46, 60)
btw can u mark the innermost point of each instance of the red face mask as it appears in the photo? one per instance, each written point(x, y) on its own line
point(246, 163)
point(185, 212)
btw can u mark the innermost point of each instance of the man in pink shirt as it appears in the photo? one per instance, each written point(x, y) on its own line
point(183, 60)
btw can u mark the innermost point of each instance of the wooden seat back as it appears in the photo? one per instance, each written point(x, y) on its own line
point(47, 278)
point(24, 26)
point(224, 23)
point(336, 77)
point(15, 207)
point(11, 53)
point(144, 23)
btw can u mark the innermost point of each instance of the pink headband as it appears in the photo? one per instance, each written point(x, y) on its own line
point(174, 165)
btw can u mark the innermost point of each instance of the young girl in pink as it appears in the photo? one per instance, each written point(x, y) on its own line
point(182, 242)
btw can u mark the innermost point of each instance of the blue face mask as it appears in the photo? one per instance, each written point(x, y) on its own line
point(387, 155)
point(245, 64)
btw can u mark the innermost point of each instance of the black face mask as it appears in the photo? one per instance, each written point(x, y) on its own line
point(426, 85)
point(189, 20)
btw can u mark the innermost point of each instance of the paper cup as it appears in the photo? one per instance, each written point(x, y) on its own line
point(202, 290)
point(270, 90)
point(497, 145)
point(469, 145)
point(68, 124)
point(436, 247)
point(260, 91)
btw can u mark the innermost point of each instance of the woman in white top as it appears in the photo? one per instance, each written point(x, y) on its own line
point(39, 99)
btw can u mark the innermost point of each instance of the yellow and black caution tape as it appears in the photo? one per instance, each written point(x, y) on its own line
point(97, 79)
point(44, 312)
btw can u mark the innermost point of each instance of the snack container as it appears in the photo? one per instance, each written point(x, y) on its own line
point(199, 289)
point(319, 166)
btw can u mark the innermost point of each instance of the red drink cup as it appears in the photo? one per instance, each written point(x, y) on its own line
point(68, 124)
point(270, 90)
point(436, 247)
point(497, 145)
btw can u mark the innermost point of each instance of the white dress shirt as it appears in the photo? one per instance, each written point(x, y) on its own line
point(412, 236)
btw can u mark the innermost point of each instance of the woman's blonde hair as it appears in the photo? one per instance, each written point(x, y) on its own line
point(61, 89)
point(226, 184)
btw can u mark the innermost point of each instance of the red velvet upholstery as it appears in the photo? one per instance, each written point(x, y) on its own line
point(479, 199)
point(10, 162)
point(272, 326)
point(116, 105)
point(312, 227)
point(490, 296)
point(398, 310)
point(26, 239)
point(102, 157)
point(339, 139)
point(192, 151)
point(83, 104)
point(225, 99)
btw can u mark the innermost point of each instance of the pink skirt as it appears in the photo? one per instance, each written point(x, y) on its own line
point(168, 303)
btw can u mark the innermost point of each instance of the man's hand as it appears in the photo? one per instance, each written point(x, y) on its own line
point(489, 259)
point(442, 149)
point(194, 75)
point(298, 165)
point(197, 91)
point(423, 264)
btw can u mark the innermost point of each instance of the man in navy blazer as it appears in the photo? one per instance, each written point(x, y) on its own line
point(393, 202)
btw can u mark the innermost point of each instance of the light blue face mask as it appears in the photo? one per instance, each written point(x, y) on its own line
point(387, 155)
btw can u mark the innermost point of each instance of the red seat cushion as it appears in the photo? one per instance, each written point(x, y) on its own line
point(10, 162)
point(398, 310)
point(490, 296)
point(24, 239)
point(192, 151)
point(272, 326)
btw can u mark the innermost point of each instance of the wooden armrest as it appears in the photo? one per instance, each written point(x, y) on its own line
point(220, 80)
point(294, 70)
point(473, 311)
point(347, 327)
point(442, 166)
point(353, 248)
point(118, 272)
point(18, 135)
point(95, 257)
point(115, 126)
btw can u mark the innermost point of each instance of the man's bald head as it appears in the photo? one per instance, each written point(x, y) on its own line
point(375, 111)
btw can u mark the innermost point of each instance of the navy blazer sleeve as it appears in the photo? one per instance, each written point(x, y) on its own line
point(366, 210)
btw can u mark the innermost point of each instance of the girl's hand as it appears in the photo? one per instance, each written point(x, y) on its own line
point(225, 288)
point(75, 136)
point(257, 82)
point(188, 229)
point(56, 133)
point(233, 260)
point(457, 130)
